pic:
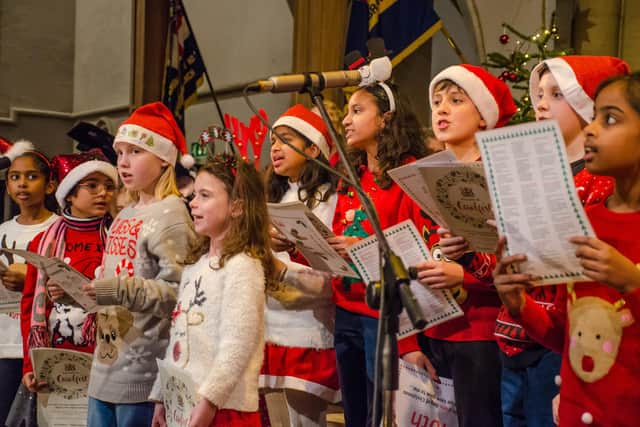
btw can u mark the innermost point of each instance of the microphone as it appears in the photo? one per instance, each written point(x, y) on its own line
point(377, 70)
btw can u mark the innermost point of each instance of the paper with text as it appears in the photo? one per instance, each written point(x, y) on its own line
point(179, 393)
point(437, 305)
point(69, 279)
point(299, 225)
point(534, 198)
point(64, 401)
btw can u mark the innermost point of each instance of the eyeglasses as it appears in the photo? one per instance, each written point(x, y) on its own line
point(96, 187)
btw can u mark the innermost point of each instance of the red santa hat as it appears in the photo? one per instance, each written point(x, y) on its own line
point(309, 124)
point(578, 78)
point(70, 169)
point(152, 127)
point(490, 95)
point(9, 152)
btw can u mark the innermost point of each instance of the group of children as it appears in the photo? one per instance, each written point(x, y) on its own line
point(221, 294)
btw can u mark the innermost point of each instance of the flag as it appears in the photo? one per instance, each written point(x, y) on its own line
point(184, 67)
point(404, 25)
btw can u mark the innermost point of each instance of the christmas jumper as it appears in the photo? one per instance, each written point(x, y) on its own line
point(299, 351)
point(217, 331)
point(597, 330)
point(392, 205)
point(14, 235)
point(141, 268)
point(477, 298)
point(83, 247)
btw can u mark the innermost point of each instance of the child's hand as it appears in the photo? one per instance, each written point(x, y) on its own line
point(29, 381)
point(555, 406)
point(511, 286)
point(202, 414)
point(279, 242)
point(421, 360)
point(13, 278)
point(604, 264)
point(159, 418)
point(440, 274)
point(89, 290)
point(453, 247)
point(341, 243)
point(54, 290)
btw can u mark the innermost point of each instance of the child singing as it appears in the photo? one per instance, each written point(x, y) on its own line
point(217, 330)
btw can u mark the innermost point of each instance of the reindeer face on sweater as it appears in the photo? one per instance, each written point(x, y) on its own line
point(113, 325)
point(187, 313)
point(595, 332)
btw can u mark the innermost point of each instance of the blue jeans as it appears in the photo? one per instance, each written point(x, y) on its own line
point(105, 414)
point(355, 343)
point(527, 393)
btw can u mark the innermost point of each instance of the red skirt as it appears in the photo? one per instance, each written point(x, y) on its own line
point(231, 417)
point(304, 369)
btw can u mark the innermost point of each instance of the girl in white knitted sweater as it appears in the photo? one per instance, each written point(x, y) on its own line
point(299, 375)
point(217, 326)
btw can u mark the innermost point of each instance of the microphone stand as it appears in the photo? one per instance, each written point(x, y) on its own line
point(394, 283)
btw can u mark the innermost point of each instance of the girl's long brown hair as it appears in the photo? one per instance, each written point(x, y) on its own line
point(400, 138)
point(249, 231)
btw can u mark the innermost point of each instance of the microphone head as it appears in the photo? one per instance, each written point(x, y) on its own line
point(378, 70)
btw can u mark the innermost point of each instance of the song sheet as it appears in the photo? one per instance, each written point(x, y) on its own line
point(69, 279)
point(421, 402)
point(299, 225)
point(179, 393)
point(63, 403)
point(534, 198)
point(9, 300)
point(437, 305)
point(454, 194)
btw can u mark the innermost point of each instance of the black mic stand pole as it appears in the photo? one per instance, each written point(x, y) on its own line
point(394, 287)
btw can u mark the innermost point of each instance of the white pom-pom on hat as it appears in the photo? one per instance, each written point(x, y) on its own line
point(19, 148)
point(187, 161)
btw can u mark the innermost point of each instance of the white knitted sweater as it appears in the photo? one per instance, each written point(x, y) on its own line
point(217, 331)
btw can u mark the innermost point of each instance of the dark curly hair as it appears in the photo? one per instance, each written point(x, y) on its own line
point(400, 138)
point(311, 178)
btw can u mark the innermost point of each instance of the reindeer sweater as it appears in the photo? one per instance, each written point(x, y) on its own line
point(217, 331)
point(17, 236)
point(598, 331)
point(141, 268)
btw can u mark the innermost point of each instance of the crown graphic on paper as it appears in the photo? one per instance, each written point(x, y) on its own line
point(466, 191)
point(245, 140)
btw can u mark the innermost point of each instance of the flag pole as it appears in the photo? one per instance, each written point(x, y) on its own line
point(451, 42)
point(206, 72)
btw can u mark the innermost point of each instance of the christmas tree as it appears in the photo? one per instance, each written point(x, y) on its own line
point(516, 65)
